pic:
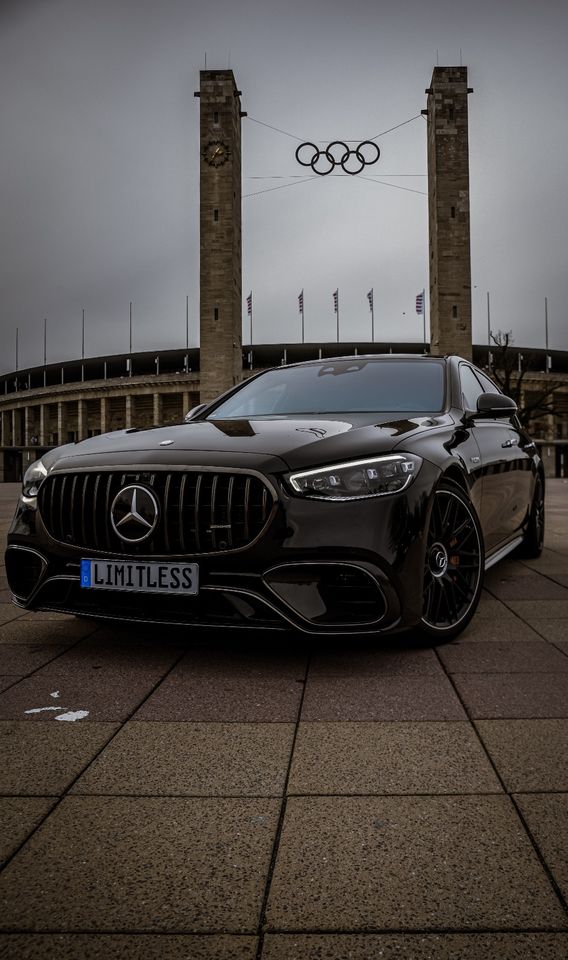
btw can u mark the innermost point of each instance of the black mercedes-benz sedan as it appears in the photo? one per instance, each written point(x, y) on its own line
point(351, 495)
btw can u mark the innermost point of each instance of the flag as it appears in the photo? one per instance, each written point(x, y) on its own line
point(420, 302)
point(336, 301)
point(301, 302)
point(249, 304)
point(370, 299)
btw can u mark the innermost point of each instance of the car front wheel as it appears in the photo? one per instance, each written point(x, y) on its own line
point(454, 563)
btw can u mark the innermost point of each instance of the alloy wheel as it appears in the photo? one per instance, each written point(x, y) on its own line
point(453, 563)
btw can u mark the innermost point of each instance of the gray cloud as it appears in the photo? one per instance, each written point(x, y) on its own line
point(99, 181)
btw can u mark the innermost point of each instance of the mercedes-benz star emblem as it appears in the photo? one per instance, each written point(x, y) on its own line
point(134, 514)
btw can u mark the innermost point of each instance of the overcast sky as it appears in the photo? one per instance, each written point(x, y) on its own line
point(100, 158)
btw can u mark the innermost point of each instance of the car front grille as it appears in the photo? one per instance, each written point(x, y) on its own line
point(200, 511)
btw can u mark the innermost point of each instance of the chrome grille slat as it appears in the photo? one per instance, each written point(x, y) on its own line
point(201, 512)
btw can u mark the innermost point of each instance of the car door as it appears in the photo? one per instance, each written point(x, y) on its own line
point(498, 446)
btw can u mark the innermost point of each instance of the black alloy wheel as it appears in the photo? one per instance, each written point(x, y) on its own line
point(533, 540)
point(454, 563)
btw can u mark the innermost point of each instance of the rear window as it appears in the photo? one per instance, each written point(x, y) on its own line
point(340, 386)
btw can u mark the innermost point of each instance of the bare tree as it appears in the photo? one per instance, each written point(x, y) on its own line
point(509, 370)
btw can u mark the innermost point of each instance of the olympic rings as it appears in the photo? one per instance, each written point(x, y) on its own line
point(338, 154)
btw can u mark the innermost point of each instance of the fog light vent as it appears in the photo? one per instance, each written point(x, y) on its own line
point(329, 594)
point(24, 569)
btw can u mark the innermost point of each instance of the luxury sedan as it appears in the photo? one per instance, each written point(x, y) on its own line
point(352, 495)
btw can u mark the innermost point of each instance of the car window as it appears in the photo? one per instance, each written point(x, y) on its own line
point(486, 383)
point(358, 385)
point(470, 387)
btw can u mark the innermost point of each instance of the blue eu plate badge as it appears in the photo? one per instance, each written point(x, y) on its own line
point(85, 573)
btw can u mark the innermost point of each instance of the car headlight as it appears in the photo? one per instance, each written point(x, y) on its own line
point(357, 479)
point(33, 477)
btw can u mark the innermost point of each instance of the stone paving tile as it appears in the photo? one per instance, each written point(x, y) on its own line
point(553, 630)
point(388, 698)
point(102, 695)
point(243, 661)
point(373, 662)
point(202, 759)
point(506, 657)
point(78, 946)
point(383, 758)
point(560, 578)
point(528, 754)
point(56, 631)
point(547, 819)
point(492, 609)
point(420, 946)
point(485, 631)
point(116, 659)
point(19, 659)
point(9, 612)
point(535, 611)
point(221, 699)
point(531, 587)
point(40, 759)
point(513, 695)
point(149, 864)
point(18, 817)
point(380, 863)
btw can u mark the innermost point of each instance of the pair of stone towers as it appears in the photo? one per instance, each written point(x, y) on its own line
point(220, 223)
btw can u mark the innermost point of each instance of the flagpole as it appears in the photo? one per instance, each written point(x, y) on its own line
point(303, 325)
point(44, 341)
point(424, 314)
point(187, 321)
point(17, 333)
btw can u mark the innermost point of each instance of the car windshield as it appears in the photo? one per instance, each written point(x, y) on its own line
point(340, 386)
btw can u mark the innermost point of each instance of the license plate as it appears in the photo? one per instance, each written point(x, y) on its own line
point(140, 577)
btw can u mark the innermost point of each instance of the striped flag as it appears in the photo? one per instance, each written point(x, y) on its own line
point(420, 303)
point(336, 301)
point(249, 304)
point(301, 302)
point(370, 299)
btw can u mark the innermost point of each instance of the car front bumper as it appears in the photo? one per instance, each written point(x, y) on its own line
point(321, 567)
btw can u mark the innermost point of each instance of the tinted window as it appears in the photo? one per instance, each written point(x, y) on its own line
point(470, 386)
point(486, 383)
point(340, 386)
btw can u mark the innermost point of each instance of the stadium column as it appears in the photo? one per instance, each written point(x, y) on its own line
point(27, 417)
point(157, 409)
point(61, 422)
point(128, 411)
point(42, 437)
point(81, 419)
point(15, 429)
point(220, 233)
point(448, 212)
point(104, 415)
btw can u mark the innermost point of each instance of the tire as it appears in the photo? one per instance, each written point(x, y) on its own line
point(453, 564)
point(533, 540)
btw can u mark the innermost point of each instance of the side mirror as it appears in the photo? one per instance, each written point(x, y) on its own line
point(194, 412)
point(495, 405)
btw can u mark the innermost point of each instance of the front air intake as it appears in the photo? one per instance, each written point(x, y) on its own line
point(199, 512)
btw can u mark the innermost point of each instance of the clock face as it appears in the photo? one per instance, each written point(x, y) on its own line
point(216, 153)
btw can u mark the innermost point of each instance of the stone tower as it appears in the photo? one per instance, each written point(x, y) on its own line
point(448, 211)
point(220, 233)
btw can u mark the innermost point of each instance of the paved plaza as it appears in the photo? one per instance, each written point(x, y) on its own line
point(171, 795)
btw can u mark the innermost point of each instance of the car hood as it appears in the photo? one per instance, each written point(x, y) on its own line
point(261, 443)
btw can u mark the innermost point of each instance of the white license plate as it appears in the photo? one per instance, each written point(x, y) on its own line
point(140, 576)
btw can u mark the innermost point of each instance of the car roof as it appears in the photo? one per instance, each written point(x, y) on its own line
point(382, 357)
